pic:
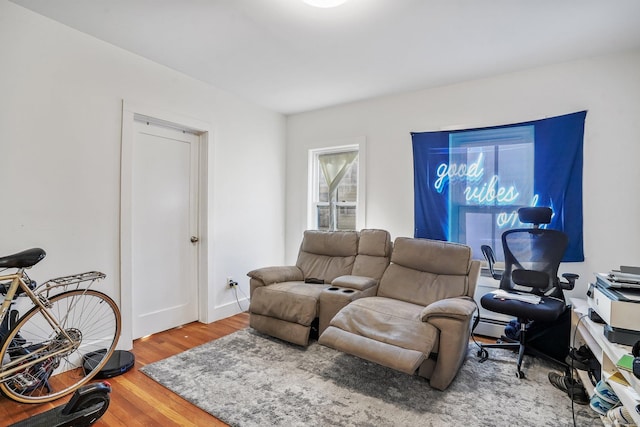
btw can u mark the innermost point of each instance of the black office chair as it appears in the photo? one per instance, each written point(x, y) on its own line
point(532, 257)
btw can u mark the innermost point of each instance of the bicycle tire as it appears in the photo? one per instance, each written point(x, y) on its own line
point(90, 317)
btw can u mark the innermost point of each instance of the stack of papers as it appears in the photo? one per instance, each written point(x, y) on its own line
point(619, 276)
point(619, 280)
point(502, 294)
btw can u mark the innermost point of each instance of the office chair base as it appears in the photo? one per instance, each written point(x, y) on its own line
point(522, 349)
point(483, 354)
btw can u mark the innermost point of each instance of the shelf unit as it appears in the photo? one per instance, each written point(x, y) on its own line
point(585, 331)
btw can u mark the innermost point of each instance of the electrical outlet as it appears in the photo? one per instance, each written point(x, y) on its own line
point(231, 283)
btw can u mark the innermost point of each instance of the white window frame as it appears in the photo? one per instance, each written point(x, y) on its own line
point(352, 144)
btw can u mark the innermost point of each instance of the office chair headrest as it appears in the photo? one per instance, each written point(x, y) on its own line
point(535, 215)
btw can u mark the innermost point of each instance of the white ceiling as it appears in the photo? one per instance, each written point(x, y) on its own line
point(290, 57)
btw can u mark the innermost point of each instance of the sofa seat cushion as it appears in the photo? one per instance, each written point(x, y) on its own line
point(389, 321)
point(291, 301)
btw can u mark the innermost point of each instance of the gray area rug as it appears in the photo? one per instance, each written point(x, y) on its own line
point(248, 379)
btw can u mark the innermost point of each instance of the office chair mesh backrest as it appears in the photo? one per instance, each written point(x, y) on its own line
point(532, 257)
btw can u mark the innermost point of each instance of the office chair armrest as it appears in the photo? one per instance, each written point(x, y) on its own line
point(571, 281)
point(451, 308)
point(488, 254)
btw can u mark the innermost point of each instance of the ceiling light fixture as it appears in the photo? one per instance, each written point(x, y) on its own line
point(324, 3)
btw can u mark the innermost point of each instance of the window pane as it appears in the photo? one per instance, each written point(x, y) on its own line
point(348, 188)
point(323, 188)
point(479, 228)
point(515, 169)
point(323, 217)
point(346, 218)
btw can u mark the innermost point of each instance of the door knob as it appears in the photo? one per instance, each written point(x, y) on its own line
point(194, 239)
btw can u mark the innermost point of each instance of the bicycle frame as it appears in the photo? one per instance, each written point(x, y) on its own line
point(17, 282)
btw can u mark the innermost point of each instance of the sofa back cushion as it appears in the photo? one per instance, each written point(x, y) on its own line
point(423, 271)
point(374, 253)
point(327, 254)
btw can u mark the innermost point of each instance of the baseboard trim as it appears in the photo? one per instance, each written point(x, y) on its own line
point(490, 327)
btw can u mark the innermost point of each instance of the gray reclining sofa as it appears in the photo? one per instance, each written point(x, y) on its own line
point(409, 308)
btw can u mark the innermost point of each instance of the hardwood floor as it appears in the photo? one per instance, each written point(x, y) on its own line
point(137, 400)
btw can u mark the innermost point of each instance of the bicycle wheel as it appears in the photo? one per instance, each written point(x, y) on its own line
point(55, 361)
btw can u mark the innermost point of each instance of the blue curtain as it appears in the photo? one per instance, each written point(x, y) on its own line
point(558, 158)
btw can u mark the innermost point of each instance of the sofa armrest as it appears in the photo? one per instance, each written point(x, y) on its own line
point(452, 317)
point(451, 308)
point(270, 275)
point(359, 283)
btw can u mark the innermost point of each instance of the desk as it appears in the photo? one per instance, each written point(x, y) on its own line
point(607, 353)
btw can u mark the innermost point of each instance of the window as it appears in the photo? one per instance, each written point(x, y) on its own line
point(335, 189)
point(490, 174)
point(469, 184)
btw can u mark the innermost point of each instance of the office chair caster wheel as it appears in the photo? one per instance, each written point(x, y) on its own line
point(520, 374)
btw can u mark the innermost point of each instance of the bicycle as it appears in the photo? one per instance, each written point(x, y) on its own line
point(61, 342)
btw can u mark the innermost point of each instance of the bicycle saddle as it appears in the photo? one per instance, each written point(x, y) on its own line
point(23, 259)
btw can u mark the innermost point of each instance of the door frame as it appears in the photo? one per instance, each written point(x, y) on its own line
point(132, 112)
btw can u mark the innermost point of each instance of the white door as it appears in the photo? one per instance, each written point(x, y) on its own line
point(164, 228)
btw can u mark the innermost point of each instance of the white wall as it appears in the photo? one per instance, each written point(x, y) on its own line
point(61, 98)
point(608, 87)
point(61, 95)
